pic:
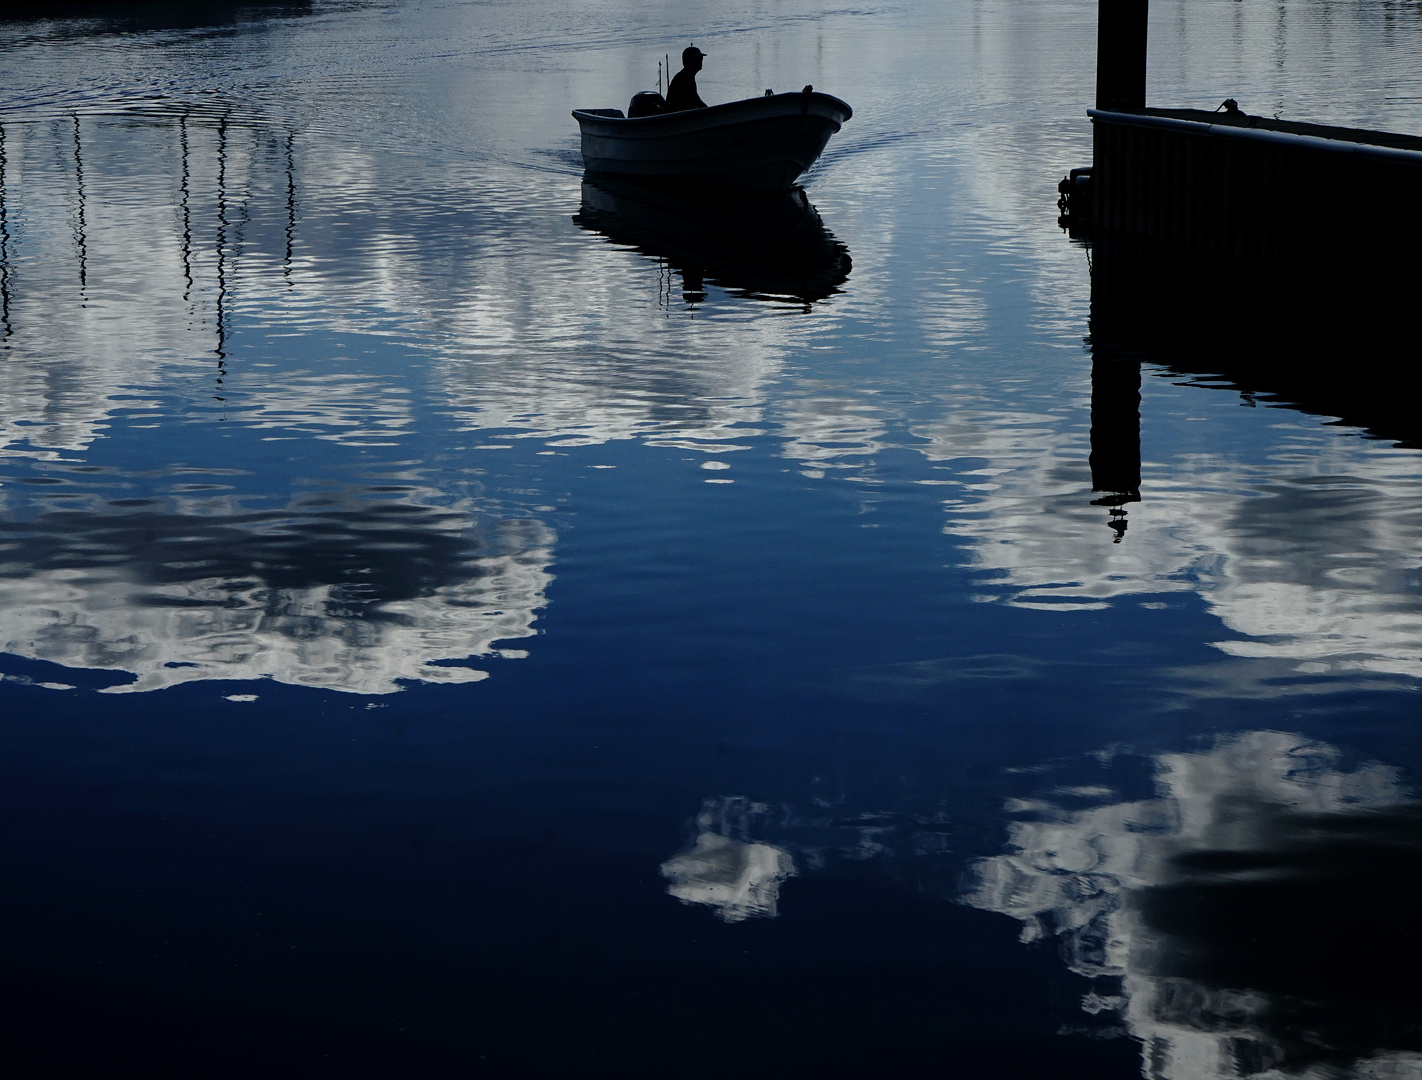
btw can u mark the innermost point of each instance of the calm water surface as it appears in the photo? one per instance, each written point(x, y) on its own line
point(457, 621)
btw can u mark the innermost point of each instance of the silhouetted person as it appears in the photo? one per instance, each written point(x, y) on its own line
point(681, 94)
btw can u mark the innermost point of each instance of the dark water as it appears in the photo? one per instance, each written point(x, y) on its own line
point(459, 621)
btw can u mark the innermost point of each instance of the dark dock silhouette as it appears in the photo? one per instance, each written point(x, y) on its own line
point(1209, 226)
point(1267, 255)
point(1313, 200)
point(1226, 230)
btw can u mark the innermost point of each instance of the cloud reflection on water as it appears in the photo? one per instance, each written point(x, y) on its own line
point(282, 240)
point(726, 871)
point(354, 594)
point(1249, 920)
point(178, 573)
point(1308, 556)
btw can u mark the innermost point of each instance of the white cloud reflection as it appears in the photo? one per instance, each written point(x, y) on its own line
point(1109, 880)
point(337, 614)
point(737, 878)
point(520, 321)
point(1307, 555)
point(1248, 918)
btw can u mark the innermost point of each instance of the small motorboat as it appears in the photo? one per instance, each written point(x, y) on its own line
point(762, 143)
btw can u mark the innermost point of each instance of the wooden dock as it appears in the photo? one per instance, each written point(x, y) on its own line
point(1278, 254)
point(1255, 188)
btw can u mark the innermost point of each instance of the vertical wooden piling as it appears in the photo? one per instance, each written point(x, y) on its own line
point(1121, 54)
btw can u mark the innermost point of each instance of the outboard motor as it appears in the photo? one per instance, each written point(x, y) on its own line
point(646, 103)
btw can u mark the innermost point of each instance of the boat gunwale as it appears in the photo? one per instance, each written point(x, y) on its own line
point(787, 104)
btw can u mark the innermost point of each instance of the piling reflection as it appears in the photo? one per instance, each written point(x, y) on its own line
point(143, 280)
point(1248, 920)
point(768, 246)
point(5, 328)
point(1116, 435)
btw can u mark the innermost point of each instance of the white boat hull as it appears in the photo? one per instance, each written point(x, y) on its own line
point(761, 143)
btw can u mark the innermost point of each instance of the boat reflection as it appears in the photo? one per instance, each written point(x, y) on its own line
point(759, 245)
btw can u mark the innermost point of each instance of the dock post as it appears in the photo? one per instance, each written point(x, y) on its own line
point(1121, 54)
